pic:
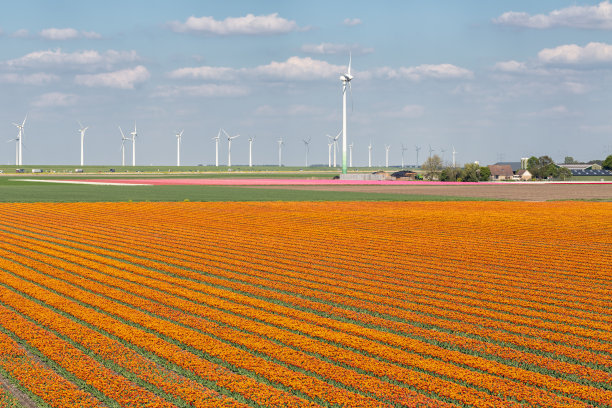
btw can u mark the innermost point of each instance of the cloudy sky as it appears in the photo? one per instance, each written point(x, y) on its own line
point(495, 79)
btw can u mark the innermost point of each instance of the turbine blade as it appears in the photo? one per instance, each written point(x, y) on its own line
point(24, 120)
point(349, 66)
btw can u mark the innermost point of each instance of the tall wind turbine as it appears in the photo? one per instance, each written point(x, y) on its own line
point(179, 136)
point(216, 139)
point(454, 152)
point(334, 141)
point(418, 149)
point(229, 147)
point(134, 133)
point(16, 140)
point(123, 139)
point(346, 81)
point(404, 148)
point(370, 154)
point(251, 139)
point(82, 131)
point(350, 155)
point(330, 144)
point(387, 147)
point(430, 151)
point(307, 144)
point(280, 151)
point(20, 141)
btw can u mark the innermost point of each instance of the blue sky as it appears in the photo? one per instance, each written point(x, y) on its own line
point(496, 80)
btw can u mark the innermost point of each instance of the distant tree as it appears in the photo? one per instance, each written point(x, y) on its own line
point(432, 167)
point(450, 173)
point(607, 163)
point(569, 160)
point(564, 173)
point(544, 167)
point(472, 172)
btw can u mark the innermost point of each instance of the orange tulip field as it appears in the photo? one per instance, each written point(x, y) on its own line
point(306, 304)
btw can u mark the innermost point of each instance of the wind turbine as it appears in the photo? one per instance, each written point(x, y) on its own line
point(251, 139)
point(387, 147)
point(123, 139)
point(346, 80)
point(350, 155)
point(418, 148)
point(82, 130)
point(16, 149)
point(229, 147)
point(179, 136)
point(280, 151)
point(370, 154)
point(454, 152)
point(134, 133)
point(307, 144)
point(19, 141)
point(330, 144)
point(442, 150)
point(216, 139)
point(404, 148)
point(335, 143)
point(430, 151)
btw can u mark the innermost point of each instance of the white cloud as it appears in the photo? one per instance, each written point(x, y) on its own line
point(352, 22)
point(204, 72)
point(510, 66)
point(408, 111)
point(296, 68)
point(39, 78)
point(67, 34)
point(420, 72)
point(292, 110)
point(22, 33)
point(591, 53)
point(589, 17)
point(58, 58)
point(122, 79)
point(247, 25)
point(55, 99)
point(330, 48)
point(204, 90)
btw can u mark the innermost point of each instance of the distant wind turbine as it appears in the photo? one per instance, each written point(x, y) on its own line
point(179, 136)
point(216, 139)
point(430, 151)
point(280, 151)
point(404, 148)
point(19, 140)
point(229, 146)
point(334, 140)
point(123, 139)
point(418, 148)
point(454, 152)
point(82, 131)
point(387, 147)
point(370, 154)
point(346, 81)
point(251, 140)
point(330, 144)
point(350, 155)
point(307, 144)
point(134, 133)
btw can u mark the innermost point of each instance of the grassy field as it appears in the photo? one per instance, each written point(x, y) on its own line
point(12, 190)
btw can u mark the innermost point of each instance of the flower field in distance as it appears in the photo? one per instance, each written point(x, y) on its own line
point(303, 304)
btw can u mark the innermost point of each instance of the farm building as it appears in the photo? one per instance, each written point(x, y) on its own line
point(501, 171)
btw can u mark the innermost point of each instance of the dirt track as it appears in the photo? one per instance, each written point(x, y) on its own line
point(524, 192)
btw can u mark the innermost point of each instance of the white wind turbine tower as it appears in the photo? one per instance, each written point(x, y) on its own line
point(123, 139)
point(307, 144)
point(19, 141)
point(179, 136)
point(404, 148)
point(82, 131)
point(370, 154)
point(454, 152)
point(387, 147)
point(229, 147)
point(350, 155)
point(334, 141)
point(216, 139)
point(251, 139)
point(134, 133)
point(418, 148)
point(280, 151)
point(346, 80)
point(330, 144)
point(430, 151)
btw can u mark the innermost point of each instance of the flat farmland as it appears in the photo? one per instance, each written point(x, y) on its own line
point(271, 304)
point(491, 191)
